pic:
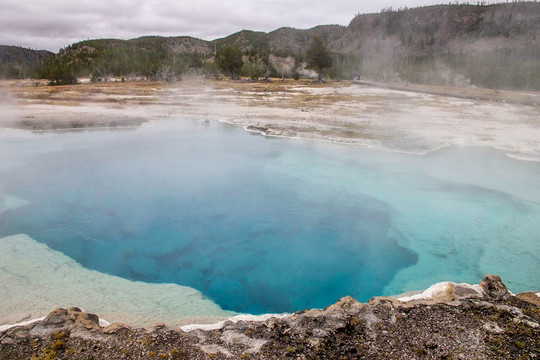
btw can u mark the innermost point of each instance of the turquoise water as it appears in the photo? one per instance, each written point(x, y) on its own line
point(272, 225)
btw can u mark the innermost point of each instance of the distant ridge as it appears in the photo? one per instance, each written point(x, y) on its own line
point(495, 46)
point(17, 62)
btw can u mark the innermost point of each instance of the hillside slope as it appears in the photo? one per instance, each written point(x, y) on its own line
point(492, 46)
point(19, 62)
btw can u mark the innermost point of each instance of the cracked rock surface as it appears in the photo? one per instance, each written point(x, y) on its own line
point(455, 323)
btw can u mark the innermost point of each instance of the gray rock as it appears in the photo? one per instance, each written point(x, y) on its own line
point(459, 324)
point(494, 288)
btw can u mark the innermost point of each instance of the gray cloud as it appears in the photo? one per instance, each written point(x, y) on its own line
point(54, 24)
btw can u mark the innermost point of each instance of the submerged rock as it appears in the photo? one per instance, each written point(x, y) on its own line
point(447, 321)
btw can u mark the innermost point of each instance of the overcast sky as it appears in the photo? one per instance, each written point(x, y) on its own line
point(53, 24)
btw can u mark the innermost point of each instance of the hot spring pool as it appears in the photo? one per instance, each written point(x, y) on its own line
point(264, 225)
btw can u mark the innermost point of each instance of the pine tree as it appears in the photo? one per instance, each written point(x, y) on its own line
point(318, 56)
point(229, 59)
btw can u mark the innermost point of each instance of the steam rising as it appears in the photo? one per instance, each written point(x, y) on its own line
point(8, 110)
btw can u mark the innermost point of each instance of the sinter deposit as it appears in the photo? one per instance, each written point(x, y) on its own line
point(450, 321)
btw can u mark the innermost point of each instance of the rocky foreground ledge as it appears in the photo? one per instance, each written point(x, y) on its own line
point(456, 322)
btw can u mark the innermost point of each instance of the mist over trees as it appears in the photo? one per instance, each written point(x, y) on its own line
point(494, 46)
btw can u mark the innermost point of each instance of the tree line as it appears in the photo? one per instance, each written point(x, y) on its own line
point(416, 62)
point(102, 59)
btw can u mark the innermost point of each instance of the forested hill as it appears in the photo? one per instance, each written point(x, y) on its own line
point(494, 46)
point(18, 62)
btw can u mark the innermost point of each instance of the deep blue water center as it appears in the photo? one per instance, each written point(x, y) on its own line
point(256, 224)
